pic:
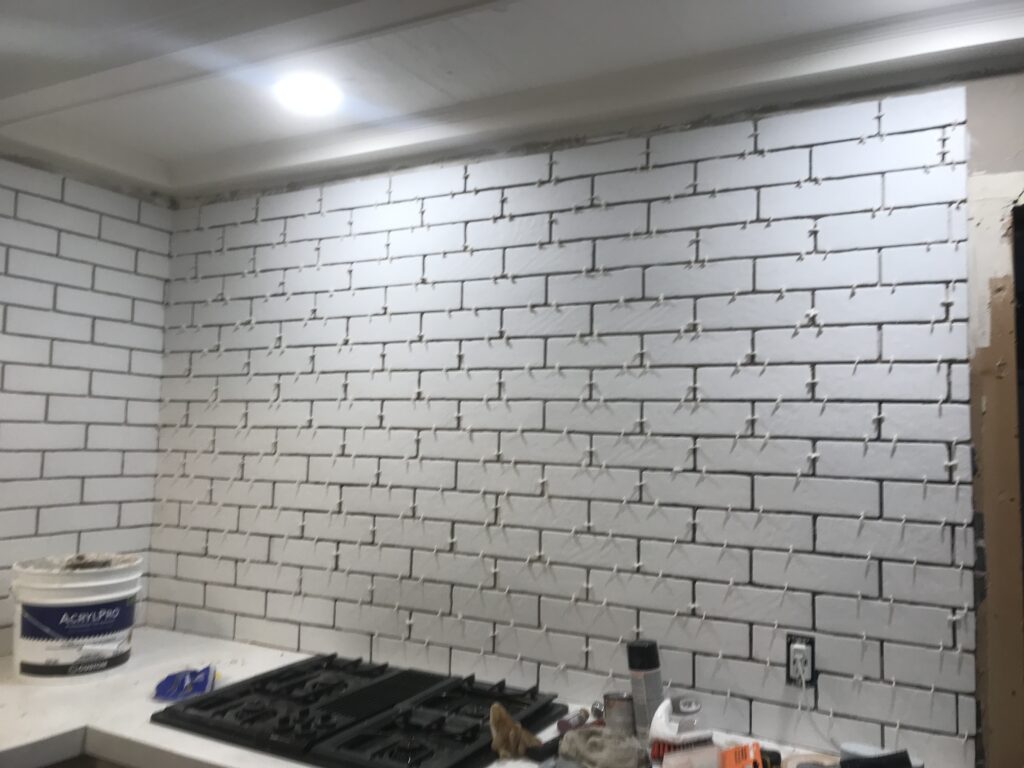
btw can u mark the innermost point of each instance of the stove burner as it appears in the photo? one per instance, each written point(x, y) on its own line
point(340, 713)
point(314, 690)
point(406, 752)
point(252, 711)
point(474, 709)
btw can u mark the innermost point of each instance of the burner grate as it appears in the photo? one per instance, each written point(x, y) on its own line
point(406, 751)
point(341, 713)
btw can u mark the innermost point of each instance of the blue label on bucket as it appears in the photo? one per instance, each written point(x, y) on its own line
point(67, 622)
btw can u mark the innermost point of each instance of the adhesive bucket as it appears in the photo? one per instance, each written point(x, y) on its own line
point(73, 616)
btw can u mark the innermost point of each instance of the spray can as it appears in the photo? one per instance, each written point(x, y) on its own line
point(645, 674)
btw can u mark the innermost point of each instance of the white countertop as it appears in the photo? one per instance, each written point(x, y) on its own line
point(108, 718)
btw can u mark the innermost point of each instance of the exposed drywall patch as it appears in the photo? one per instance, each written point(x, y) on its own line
point(994, 420)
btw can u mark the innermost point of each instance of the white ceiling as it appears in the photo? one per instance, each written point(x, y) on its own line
point(173, 95)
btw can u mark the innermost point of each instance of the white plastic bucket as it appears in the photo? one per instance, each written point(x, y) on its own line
point(73, 616)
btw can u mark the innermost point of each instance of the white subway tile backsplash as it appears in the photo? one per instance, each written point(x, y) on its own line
point(529, 421)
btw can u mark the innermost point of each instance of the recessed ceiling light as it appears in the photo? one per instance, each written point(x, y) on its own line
point(308, 93)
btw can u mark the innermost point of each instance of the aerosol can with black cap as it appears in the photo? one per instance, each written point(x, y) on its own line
point(645, 674)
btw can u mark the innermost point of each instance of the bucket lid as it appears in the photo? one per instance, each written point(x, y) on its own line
point(85, 563)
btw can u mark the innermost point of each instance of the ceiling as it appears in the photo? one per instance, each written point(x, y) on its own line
point(174, 95)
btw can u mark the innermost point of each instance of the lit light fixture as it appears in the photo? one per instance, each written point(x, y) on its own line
point(308, 93)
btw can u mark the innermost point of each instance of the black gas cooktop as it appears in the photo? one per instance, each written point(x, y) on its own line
point(343, 713)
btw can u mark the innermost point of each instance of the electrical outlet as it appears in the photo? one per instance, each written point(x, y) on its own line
point(800, 667)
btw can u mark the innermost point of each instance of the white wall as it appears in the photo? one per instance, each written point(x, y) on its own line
point(82, 277)
point(499, 417)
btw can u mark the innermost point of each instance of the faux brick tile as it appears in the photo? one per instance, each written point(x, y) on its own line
point(427, 182)
point(300, 202)
point(817, 271)
point(914, 421)
point(600, 222)
point(467, 206)
point(753, 310)
point(883, 620)
point(103, 200)
point(881, 702)
point(882, 460)
point(644, 185)
point(756, 170)
point(819, 198)
point(31, 322)
point(762, 529)
point(228, 212)
point(807, 494)
point(914, 665)
point(26, 293)
point(695, 633)
point(943, 261)
point(902, 226)
point(614, 285)
point(353, 193)
point(507, 171)
point(659, 248)
point(520, 230)
point(884, 153)
point(702, 210)
point(641, 591)
point(944, 184)
point(21, 234)
point(934, 502)
point(844, 121)
point(913, 111)
point(853, 420)
point(744, 603)
point(17, 176)
point(135, 235)
point(790, 236)
point(845, 576)
point(752, 382)
point(875, 381)
point(49, 269)
point(387, 217)
point(541, 198)
point(925, 342)
point(699, 143)
point(699, 279)
point(928, 584)
point(58, 216)
point(597, 158)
